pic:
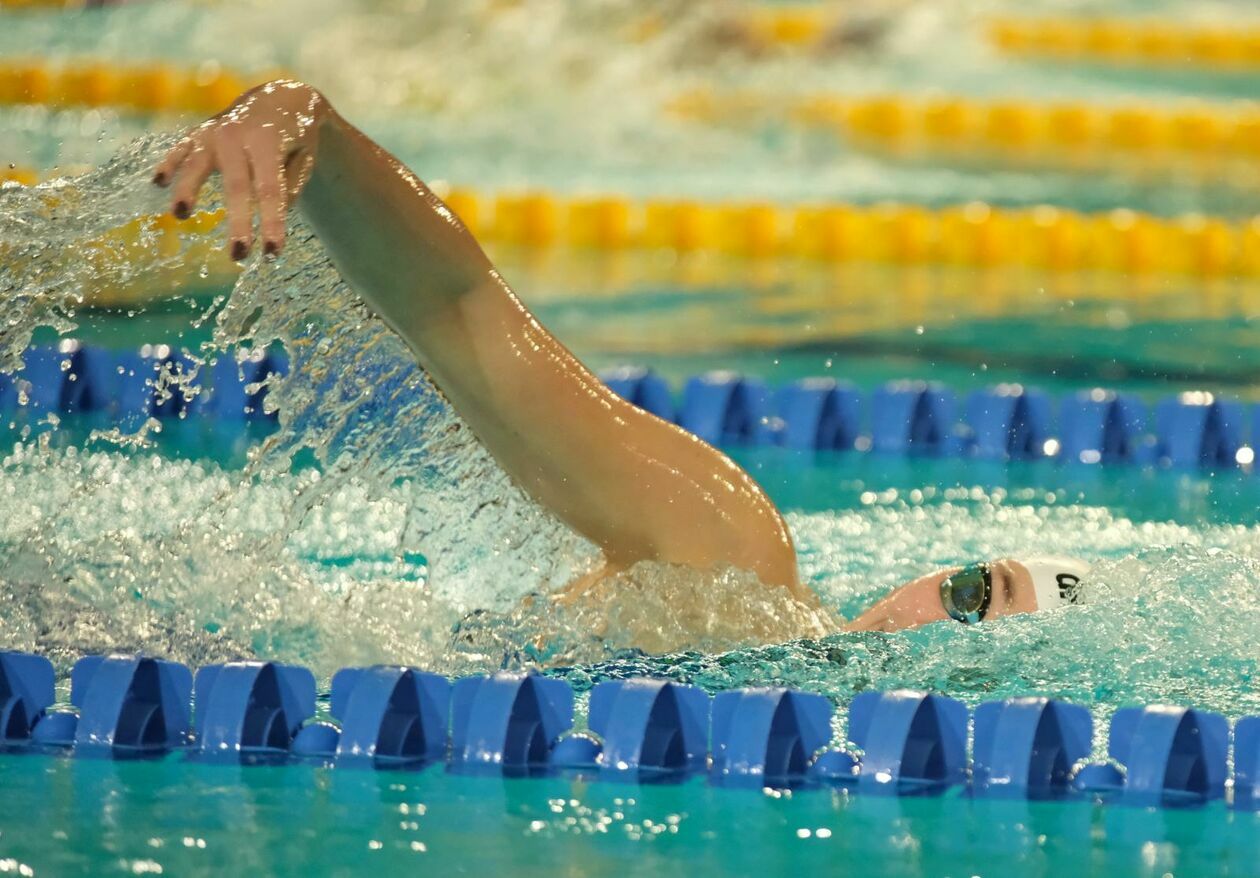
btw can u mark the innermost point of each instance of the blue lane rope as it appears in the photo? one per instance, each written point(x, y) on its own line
point(899, 743)
point(1007, 422)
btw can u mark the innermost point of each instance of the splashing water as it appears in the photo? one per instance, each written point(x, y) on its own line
point(143, 538)
point(403, 525)
point(1172, 612)
point(406, 543)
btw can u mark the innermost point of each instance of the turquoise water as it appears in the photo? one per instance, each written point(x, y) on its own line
point(367, 525)
point(175, 817)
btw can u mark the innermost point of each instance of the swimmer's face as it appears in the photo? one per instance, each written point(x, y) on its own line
point(919, 602)
point(1017, 594)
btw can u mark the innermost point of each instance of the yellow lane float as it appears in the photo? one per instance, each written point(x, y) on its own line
point(1151, 42)
point(974, 235)
point(141, 88)
point(1219, 140)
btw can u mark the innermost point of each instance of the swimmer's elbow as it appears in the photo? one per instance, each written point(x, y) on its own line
point(774, 563)
point(782, 572)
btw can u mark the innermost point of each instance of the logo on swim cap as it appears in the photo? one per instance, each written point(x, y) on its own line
point(1069, 587)
point(1056, 580)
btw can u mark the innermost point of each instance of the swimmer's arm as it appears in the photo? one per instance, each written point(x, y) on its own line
point(639, 488)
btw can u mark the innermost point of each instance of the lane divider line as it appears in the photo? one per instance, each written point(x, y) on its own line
point(976, 234)
point(139, 88)
point(1192, 430)
point(1150, 42)
point(639, 731)
point(1204, 141)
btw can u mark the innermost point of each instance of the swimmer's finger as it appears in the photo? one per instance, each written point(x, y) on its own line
point(234, 167)
point(192, 176)
point(270, 191)
point(165, 171)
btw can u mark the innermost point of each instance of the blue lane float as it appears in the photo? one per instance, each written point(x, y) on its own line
point(140, 392)
point(1247, 764)
point(251, 710)
point(900, 743)
point(725, 408)
point(767, 737)
point(1172, 756)
point(650, 729)
point(912, 743)
point(1255, 429)
point(390, 716)
point(508, 723)
point(41, 369)
point(1009, 422)
point(238, 386)
point(819, 414)
point(70, 378)
point(915, 418)
point(1026, 748)
point(129, 706)
point(124, 385)
point(27, 689)
point(1101, 426)
point(1199, 430)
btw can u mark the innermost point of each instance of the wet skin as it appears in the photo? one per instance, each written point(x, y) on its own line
point(638, 487)
point(919, 602)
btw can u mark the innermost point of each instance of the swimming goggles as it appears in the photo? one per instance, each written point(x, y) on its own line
point(966, 595)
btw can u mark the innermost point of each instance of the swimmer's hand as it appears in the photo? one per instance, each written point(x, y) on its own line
point(637, 487)
point(264, 145)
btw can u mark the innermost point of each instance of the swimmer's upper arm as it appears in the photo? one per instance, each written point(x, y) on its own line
point(642, 489)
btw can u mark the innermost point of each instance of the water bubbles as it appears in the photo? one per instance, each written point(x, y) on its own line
point(371, 559)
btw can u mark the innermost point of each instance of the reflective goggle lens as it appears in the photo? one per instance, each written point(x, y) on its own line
point(966, 594)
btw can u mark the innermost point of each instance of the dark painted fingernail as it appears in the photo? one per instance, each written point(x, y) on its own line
point(159, 178)
point(270, 249)
point(239, 250)
point(181, 210)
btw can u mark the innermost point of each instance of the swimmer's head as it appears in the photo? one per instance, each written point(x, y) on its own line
point(1056, 580)
point(978, 592)
point(1000, 588)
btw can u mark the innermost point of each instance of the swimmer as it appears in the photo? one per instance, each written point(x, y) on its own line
point(979, 591)
point(638, 487)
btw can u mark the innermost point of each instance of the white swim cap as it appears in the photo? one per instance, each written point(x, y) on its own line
point(1056, 580)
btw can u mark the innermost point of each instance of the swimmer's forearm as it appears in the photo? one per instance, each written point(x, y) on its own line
point(391, 238)
point(424, 274)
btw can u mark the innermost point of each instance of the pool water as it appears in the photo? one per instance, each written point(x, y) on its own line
point(176, 817)
point(364, 525)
